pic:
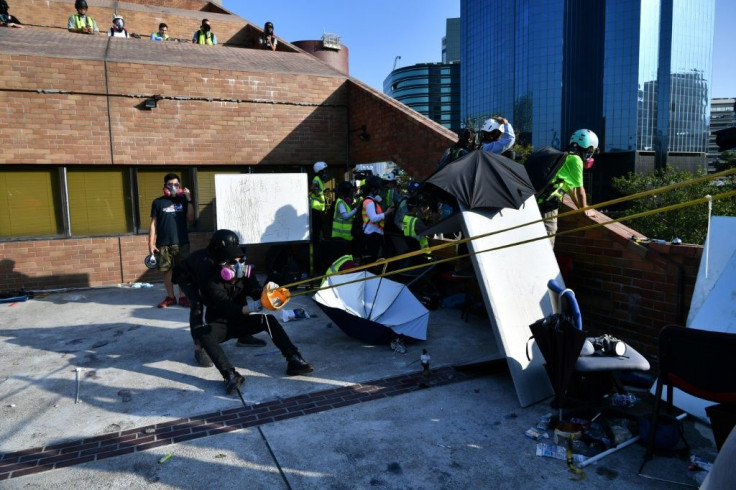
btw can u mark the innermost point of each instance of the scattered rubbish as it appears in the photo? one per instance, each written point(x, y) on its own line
point(12, 405)
point(624, 400)
point(544, 422)
point(164, 459)
point(141, 285)
point(221, 455)
point(125, 395)
point(699, 463)
point(557, 452)
point(535, 434)
point(295, 314)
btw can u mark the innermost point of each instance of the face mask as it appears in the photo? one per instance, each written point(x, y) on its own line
point(118, 24)
point(589, 163)
point(235, 271)
point(206, 28)
point(172, 190)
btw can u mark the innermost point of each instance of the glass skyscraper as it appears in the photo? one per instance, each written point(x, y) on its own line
point(637, 72)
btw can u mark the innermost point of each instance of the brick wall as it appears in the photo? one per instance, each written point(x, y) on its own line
point(183, 18)
point(628, 289)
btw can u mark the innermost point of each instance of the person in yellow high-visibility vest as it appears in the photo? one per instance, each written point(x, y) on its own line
point(205, 35)
point(342, 219)
point(342, 263)
point(413, 226)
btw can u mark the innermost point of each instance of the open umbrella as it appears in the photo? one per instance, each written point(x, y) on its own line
point(560, 343)
point(374, 310)
point(483, 180)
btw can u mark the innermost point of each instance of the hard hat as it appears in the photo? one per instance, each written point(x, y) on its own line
point(490, 125)
point(224, 246)
point(584, 138)
point(80, 4)
point(150, 261)
point(319, 166)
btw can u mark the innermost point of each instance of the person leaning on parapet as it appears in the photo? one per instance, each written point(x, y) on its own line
point(229, 290)
point(465, 144)
point(161, 34)
point(205, 35)
point(569, 179)
point(497, 135)
point(168, 236)
point(268, 40)
point(118, 27)
point(7, 20)
point(81, 22)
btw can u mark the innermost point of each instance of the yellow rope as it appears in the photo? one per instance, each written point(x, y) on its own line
point(659, 190)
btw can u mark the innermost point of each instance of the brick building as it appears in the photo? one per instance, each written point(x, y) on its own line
point(83, 157)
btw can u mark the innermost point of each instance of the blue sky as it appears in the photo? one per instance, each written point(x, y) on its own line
point(376, 31)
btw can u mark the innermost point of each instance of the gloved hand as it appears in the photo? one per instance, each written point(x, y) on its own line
point(254, 306)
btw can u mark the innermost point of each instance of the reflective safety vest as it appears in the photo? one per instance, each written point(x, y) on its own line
point(317, 200)
point(80, 21)
point(334, 268)
point(364, 213)
point(409, 227)
point(203, 38)
point(156, 37)
point(341, 227)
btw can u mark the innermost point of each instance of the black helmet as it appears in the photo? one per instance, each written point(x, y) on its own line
point(373, 182)
point(80, 4)
point(224, 246)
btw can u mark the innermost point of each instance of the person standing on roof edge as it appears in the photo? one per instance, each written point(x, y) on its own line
point(497, 135)
point(7, 20)
point(81, 22)
point(168, 235)
point(118, 27)
point(161, 34)
point(569, 179)
point(205, 35)
point(268, 40)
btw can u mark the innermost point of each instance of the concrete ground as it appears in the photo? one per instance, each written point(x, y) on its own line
point(365, 418)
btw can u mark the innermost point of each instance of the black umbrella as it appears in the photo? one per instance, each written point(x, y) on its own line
point(560, 342)
point(484, 180)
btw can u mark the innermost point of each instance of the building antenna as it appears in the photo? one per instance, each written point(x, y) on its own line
point(396, 60)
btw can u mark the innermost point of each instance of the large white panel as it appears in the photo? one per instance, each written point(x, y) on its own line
point(263, 208)
point(514, 285)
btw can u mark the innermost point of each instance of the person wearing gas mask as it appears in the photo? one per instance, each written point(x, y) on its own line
point(205, 35)
point(268, 40)
point(168, 235)
point(229, 290)
point(569, 179)
point(81, 22)
point(118, 27)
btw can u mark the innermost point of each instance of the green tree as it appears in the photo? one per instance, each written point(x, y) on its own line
point(690, 223)
point(726, 160)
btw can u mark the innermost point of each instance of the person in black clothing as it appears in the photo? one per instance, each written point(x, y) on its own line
point(7, 20)
point(168, 235)
point(218, 278)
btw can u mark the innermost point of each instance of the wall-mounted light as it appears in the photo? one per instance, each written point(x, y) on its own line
point(363, 136)
point(152, 102)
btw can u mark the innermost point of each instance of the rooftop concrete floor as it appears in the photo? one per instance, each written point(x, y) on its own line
point(365, 418)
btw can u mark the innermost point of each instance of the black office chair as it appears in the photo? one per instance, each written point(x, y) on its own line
point(698, 362)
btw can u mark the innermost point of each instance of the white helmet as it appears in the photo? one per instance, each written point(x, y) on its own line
point(491, 125)
point(319, 166)
point(389, 177)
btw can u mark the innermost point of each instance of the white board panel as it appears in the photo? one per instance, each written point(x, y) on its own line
point(263, 208)
point(514, 286)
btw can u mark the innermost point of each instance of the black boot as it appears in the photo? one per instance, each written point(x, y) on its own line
point(296, 365)
point(233, 381)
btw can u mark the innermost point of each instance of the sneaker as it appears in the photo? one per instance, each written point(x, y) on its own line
point(398, 346)
point(233, 381)
point(297, 365)
point(202, 358)
point(168, 301)
point(184, 301)
point(250, 341)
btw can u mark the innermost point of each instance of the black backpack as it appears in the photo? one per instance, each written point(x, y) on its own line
point(542, 166)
